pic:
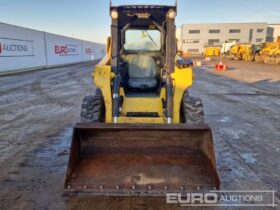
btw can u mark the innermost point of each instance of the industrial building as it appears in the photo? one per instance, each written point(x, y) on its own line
point(273, 32)
point(195, 37)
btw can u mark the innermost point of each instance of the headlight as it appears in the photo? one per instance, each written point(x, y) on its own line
point(172, 14)
point(114, 14)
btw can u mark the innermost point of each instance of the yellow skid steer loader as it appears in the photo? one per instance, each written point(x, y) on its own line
point(142, 134)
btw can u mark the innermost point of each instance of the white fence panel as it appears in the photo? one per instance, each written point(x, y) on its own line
point(26, 49)
point(62, 50)
point(21, 48)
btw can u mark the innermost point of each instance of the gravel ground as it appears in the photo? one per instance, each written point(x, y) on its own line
point(38, 110)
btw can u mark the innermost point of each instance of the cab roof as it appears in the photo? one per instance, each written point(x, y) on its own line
point(141, 15)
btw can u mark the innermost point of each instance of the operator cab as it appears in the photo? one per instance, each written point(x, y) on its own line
point(142, 55)
point(142, 47)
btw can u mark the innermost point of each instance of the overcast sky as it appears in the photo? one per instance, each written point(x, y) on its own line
point(89, 19)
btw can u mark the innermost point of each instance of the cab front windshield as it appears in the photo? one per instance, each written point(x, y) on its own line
point(142, 40)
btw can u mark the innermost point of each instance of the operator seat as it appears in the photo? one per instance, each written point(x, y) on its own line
point(142, 71)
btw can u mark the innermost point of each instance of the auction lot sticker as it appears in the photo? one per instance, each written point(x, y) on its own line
point(15, 47)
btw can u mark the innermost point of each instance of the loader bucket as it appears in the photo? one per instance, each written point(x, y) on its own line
point(141, 160)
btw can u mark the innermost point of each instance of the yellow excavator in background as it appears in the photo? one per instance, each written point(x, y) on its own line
point(270, 53)
point(142, 133)
point(243, 51)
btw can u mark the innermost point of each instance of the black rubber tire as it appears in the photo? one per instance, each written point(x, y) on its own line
point(192, 110)
point(93, 108)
